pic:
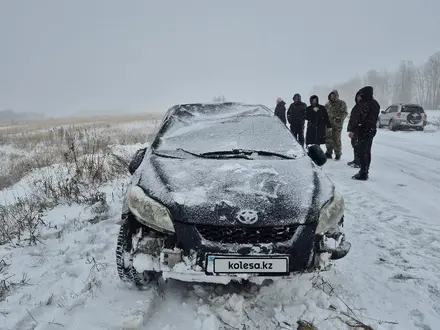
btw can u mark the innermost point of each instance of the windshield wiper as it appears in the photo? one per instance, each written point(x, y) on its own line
point(218, 155)
point(248, 152)
point(159, 154)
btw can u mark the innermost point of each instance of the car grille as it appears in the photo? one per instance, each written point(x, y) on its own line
point(246, 235)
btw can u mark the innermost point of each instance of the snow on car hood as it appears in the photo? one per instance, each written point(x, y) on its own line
point(212, 191)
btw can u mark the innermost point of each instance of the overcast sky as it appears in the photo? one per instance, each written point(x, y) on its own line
point(63, 56)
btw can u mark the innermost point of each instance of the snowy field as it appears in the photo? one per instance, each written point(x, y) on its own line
point(433, 116)
point(58, 229)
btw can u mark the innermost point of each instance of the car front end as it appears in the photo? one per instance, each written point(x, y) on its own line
point(221, 253)
point(228, 196)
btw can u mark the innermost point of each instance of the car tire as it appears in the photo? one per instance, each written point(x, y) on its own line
point(392, 126)
point(378, 124)
point(124, 258)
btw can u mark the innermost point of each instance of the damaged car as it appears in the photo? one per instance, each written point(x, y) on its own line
point(225, 192)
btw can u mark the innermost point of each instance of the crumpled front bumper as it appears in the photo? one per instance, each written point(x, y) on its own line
point(174, 265)
point(306, 251)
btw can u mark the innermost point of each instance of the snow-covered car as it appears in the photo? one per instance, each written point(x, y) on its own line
point(224, 192)
point(403, 115)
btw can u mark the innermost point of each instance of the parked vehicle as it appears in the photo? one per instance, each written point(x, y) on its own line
point(403, 116)
point(225, 192)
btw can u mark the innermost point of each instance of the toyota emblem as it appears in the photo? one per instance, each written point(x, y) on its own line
point(247, 217)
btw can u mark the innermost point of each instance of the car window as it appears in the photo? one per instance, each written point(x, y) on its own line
point(394, 108)
point(387, 110)
point(412, 108)
point(242, 132)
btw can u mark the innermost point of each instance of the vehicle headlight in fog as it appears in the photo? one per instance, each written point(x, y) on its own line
point(148, 211)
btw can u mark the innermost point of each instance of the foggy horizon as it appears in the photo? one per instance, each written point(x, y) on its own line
point(65, 57)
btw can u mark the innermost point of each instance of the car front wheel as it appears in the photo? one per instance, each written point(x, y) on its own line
point(124, 256)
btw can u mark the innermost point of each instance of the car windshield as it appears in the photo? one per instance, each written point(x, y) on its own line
point(412, 108)
point(262, 133)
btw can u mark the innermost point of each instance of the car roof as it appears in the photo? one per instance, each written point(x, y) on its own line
point(408, 104)
point(207, 111)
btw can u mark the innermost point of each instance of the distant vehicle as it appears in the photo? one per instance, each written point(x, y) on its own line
point(224, 193)
point(403, 116)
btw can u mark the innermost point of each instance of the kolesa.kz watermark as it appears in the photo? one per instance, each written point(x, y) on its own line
point(249, 265)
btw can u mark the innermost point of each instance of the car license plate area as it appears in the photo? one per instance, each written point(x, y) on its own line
point(232, 264)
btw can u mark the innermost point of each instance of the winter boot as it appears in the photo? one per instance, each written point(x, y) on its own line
point(362, 176)
point(328, 155)
point(338, 157)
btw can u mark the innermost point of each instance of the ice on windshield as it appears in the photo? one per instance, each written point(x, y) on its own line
point(250, 132)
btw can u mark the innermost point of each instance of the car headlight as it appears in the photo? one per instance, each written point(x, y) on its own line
point(148, 211)
point(331, 214)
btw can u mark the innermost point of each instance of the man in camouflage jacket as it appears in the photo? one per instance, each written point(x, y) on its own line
point(337, 111)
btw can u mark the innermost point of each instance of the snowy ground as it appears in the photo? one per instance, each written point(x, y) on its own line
point(389, 280)
point(433, 115)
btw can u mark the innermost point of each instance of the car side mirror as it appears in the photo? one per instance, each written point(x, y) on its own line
point(317, 155)
point(382, 111)
point(137, 160)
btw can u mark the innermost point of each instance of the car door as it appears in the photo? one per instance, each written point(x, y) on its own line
point(384, 117)
point(394, 109)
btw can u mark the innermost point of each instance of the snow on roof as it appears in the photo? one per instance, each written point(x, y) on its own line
point(207, 111)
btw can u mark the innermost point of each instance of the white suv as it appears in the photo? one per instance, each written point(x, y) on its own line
point(403, 115)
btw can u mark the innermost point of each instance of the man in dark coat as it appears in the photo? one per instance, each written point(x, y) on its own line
point(318, 122)
point(354, 113)
point(296, 117)
point(280, 110)
point(364, 125)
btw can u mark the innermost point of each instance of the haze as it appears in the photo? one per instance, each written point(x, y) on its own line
point(61, 57)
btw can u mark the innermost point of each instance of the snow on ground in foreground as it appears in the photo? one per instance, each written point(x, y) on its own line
point(391, 274)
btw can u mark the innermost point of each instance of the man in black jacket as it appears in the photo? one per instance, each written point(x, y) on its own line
point(353, 115)
point(280, 110)
point(296, 117)
point(364, 125)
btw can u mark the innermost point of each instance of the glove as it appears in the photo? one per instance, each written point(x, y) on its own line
point(350, 134)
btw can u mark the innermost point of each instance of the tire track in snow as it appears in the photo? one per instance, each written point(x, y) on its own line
point(409, 142)
point(401, 261)
point(392, 223)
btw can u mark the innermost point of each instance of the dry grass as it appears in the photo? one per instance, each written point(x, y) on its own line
point(79, 120)
point(26, 150)
point(74, 163)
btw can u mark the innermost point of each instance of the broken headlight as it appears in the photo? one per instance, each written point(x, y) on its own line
point(331, 214)
point(148, 211)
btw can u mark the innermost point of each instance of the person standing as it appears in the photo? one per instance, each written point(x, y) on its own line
point(318, 122)
point(296, 118)
point(280, 110)
point(337, 112)
point(353, 115)
point(364, 124)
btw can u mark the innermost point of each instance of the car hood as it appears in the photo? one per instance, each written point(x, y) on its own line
point(215, 191)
